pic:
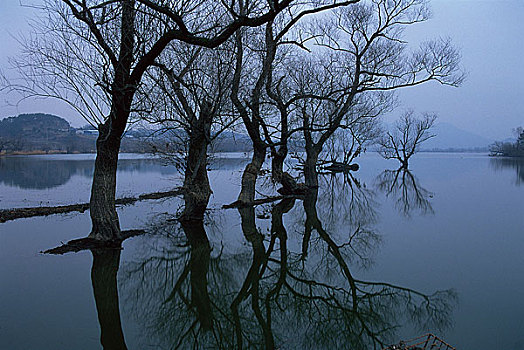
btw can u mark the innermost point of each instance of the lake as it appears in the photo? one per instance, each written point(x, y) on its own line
point(380, 256)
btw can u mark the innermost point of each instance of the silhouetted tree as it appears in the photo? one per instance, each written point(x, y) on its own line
point(361, 59)
point(260, 93)
point(405, 139)
point(192, 87)
point(510, 149)
point(93, 55)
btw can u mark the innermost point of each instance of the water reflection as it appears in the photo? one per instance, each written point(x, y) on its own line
point(293, 285)
point(510, 163)
point(405, 189)
point(348, 208)
point(49, 172)
point(33, 173)
point(105, 290)
point(41, 173)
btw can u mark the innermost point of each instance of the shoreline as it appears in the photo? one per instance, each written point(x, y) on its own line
point(33, 153)
point(56, 152)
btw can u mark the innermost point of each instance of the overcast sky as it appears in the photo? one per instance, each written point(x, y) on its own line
point(489, 34)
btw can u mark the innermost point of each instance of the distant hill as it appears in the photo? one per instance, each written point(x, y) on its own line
point(232, 142)
point(449, 136)
point(47, 133)
point(33, 125)
point(41, 132)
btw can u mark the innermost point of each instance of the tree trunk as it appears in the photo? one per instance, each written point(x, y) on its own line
point(103, 191)
point(310, 168)
point(249, 177)
point(196, 182)
point(105, 290)
point(277, 163)
point(289, 185)
point(102, 204)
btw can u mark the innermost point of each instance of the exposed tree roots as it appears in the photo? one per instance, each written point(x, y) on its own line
point(18, 213)
point(77, 245)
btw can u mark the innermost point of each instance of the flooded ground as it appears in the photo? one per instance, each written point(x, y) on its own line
point(371, 259)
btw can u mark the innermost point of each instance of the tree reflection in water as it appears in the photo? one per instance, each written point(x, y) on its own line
point(405, 188)
point(510, 163)
point(286, 290)
point(105, 290)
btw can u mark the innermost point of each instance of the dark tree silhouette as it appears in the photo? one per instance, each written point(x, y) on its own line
point(93, 55)
point(407, 136)
point(361, 60)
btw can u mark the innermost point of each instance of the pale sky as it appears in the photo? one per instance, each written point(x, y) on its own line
point(489, 34)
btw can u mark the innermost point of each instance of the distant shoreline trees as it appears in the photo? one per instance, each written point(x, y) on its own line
point(509, 149)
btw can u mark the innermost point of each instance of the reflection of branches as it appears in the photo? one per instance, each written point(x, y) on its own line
point(377, 307)
point(180, 291)
point(274, 295)
point(402, 185)
point(348, 207)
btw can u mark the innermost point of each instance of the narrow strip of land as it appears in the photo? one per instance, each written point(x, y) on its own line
point(19, 213)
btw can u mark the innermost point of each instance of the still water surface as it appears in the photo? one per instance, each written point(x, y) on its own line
point(383, 256)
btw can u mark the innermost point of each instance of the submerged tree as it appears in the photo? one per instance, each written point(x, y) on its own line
point(360, 61)
point(192, 87)
point(405, 139)
point(262, 92)
point(94, 54)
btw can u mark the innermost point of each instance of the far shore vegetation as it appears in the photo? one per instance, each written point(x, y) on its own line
point(510, 149)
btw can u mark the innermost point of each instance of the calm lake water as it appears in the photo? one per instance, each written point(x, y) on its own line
point(388, 256)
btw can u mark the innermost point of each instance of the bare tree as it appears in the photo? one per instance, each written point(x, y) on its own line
point(405, 139)
point(509, 149)
point(191, 88)
point(260, 93)
point(348, 143)
point(98, 52)
point(360, 60)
